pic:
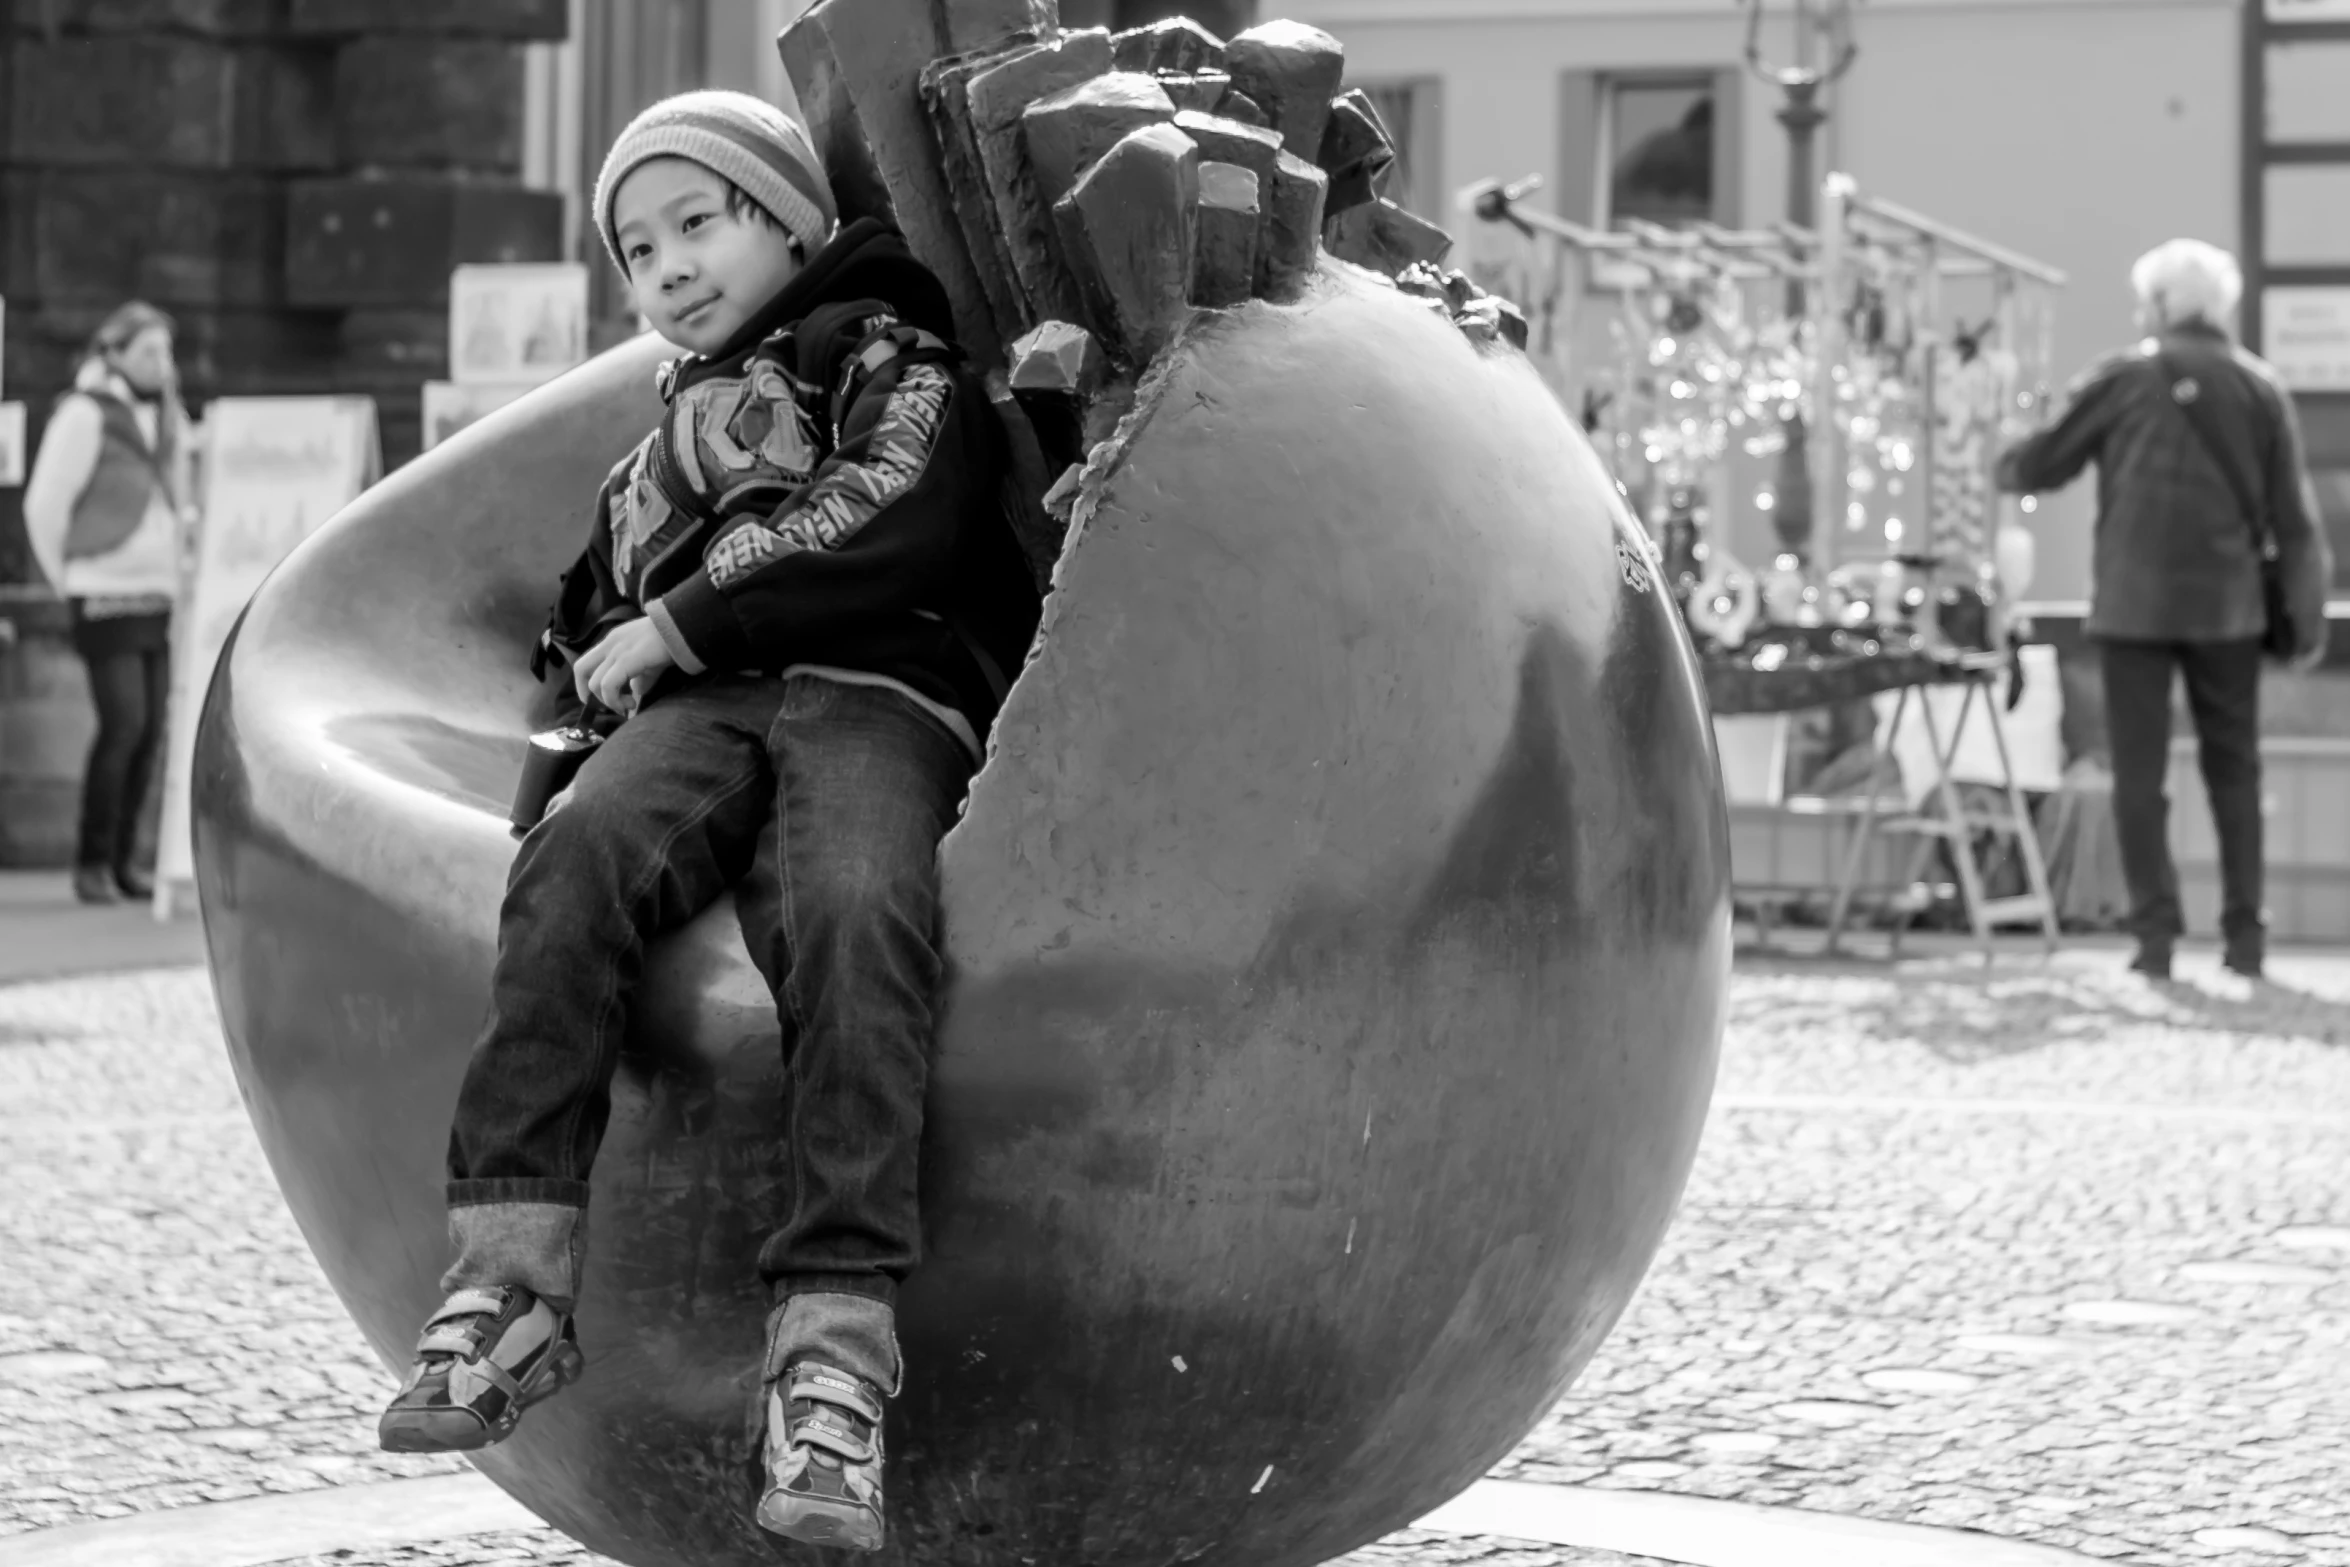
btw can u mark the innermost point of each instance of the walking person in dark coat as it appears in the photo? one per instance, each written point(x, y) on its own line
point(2199, 461)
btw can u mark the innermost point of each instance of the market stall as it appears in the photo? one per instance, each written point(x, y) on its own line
point(1851, 384)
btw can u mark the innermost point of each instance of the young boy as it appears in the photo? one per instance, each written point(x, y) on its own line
point(801, 590)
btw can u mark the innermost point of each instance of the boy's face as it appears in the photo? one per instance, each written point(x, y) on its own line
point(697, 271)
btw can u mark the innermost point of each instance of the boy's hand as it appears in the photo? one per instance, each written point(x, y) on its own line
point(618, 670)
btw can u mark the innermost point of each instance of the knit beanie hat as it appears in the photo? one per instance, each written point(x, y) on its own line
point(747, 140)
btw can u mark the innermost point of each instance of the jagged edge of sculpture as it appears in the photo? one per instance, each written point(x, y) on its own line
point(867, 72)
point(887, 83)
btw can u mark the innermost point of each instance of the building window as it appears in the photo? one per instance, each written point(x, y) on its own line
point(2308, 215)
point(1412, 109)
point(1657, 150)
point(2296, 230)
point(1661, 146)
point(2305, 102)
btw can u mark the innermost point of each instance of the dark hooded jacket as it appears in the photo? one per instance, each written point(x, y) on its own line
point(825, 490)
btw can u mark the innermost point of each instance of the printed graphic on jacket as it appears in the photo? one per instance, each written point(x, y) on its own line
point(735, 438)
point(740, 443)
point(901, 446)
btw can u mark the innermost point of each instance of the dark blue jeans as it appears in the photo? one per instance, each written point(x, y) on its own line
point(2223, 698)
point(823, 804)
point(129, 659)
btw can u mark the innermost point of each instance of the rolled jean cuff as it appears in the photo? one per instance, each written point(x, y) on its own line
point(539, 1245)
point(873, 1286)
point(467, 1192)
point(853, 1333)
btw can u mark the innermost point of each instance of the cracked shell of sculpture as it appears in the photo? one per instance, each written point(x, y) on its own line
point(1338, 939)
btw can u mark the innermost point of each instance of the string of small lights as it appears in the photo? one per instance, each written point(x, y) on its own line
point(1707, 368)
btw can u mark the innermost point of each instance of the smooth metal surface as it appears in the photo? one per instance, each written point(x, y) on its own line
point(1705, 1533)
point(1339, 940)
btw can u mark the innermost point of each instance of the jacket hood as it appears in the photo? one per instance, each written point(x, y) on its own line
point(867, 259)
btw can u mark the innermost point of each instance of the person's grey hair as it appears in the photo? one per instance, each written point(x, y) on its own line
point(2186, 280)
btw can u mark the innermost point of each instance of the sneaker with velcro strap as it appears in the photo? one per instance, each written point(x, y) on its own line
point(485, 1357)
point(823, 1458)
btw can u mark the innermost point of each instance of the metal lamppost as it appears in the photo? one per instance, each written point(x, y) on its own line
point(1800, 86)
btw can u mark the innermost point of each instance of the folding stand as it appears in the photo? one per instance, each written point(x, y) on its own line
point(1955, 825)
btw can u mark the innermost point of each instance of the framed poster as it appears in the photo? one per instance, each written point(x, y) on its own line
point(450, 407)
point(275, 468)
point(523, 322)
point(2305, 336)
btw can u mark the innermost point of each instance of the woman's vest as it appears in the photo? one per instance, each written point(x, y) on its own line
point(124, 482)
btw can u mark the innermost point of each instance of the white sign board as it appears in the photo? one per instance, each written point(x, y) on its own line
point(2309, 10)
point(2305, 335)
point(275, 468)
point(522, 322)
point(11, 444)
point(449, 407)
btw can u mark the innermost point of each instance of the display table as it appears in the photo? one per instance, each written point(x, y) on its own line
point(1736, 686)
point(1815, 668)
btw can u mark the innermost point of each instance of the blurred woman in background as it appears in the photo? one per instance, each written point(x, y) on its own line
point(105, 509)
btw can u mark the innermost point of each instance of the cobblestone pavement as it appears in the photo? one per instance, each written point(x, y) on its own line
point(2057, 1256)
point(2118, 1330)
point(165, 1338)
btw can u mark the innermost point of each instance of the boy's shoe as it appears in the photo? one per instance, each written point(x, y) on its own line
point(2153, 960)
point(485, 1357)
point(823, 1458)
point(2243, 957)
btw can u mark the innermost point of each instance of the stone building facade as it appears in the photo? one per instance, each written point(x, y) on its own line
point(292, 179)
